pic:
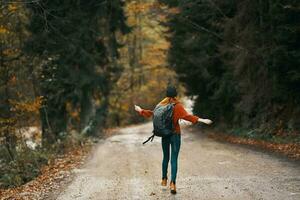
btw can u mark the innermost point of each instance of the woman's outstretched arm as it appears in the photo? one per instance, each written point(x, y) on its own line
point(181, 113)
point(143, 112)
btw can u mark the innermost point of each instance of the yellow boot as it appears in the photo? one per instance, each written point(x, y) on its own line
point(172, 187)
point(164, 182)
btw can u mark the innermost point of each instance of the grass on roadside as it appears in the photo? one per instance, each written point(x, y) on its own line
point(27, 163)
point(257, 135)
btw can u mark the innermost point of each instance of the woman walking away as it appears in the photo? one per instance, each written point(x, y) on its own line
point(174, 139)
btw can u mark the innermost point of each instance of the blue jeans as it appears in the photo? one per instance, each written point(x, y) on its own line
point(173, 141)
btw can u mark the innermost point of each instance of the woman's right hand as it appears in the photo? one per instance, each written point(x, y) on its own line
point(205, 121)
point(137, 108)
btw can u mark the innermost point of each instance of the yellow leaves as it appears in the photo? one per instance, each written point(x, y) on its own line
point(168, 11)
point(29, 106)
point(144, 58)
point(174, 10)
point(152, 61)
point(162, 46)
point(135, 7)
point(131, 21)
point(156, 54)
point(10, 52)
point(73, 112)
point(12, 7)
point(4, 121)
point(6, 124)
point(3, 30)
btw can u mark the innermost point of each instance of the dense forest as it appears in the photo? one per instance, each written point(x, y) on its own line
point(240, 59)
point(71, 69)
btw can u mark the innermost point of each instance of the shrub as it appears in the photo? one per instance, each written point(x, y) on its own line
point(25, 166)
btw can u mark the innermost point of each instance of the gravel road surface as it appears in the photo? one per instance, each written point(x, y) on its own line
point(122, 168)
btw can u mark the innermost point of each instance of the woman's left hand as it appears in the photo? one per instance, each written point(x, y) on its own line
point(137, 108)
point(205, 121)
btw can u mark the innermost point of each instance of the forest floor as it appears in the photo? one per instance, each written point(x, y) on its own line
point(120, 167)
point(55, 174)
point(287, 148)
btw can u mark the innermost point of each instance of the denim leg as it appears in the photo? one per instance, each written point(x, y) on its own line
point(165, 143)
point(175, 147)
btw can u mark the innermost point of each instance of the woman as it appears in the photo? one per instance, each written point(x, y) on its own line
point(174, 141)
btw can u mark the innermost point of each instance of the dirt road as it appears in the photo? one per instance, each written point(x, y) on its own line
point(121, 168)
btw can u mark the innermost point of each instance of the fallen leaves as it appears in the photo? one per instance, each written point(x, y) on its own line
point(291, 150)
point(50, 178)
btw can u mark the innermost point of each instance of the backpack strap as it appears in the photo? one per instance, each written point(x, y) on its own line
point(150, 138)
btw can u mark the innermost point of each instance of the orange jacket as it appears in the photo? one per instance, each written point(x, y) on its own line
point(178, 113)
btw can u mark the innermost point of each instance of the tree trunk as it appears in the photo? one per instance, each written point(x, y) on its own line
point(10, 139)
point(85, 108)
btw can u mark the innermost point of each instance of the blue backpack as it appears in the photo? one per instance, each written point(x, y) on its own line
point(162, 121)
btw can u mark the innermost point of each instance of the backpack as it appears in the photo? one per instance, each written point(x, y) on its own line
point(162, 121)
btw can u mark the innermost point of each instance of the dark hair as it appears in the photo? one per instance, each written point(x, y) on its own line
point(171, 91)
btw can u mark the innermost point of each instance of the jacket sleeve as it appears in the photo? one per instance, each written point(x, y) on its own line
point(181, 113)
point(146, 113)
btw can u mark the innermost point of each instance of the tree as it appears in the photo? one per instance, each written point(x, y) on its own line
point(77, 43)
point(144, 57)
point(16, 108)
point(240, 59)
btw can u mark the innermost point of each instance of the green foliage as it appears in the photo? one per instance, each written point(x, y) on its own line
point(267, 136)
point(27, 163)
point(58, 61)
point(241, 60)
point(144, 77)
point(77, 43)
point(23, 168)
